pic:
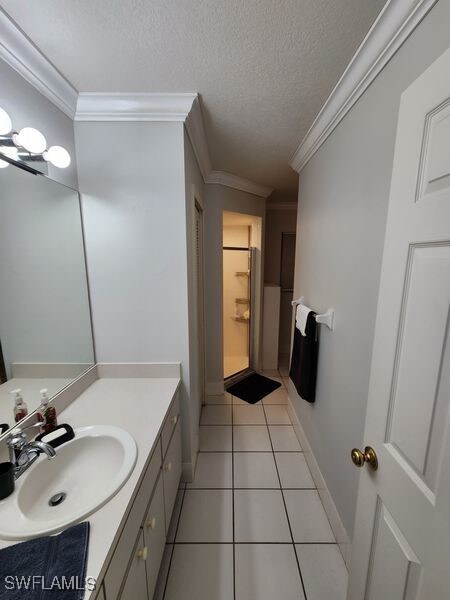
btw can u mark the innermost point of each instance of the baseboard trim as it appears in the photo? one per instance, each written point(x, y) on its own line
point(188, 471)
point(337, 526)
point(214, 388)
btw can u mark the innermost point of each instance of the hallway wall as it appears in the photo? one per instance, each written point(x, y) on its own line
point(343, 198)
point(279, 221)
point(217, 199)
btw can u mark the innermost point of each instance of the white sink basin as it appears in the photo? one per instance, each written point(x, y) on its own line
point(86, 472)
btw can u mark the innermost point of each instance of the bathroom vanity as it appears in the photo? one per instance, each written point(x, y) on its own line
point(128, 533)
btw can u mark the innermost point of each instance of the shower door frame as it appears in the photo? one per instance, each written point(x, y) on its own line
point(243, 372)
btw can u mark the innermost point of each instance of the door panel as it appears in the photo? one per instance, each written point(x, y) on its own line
point(421, 341)
point(402, 528)
point(394, 568)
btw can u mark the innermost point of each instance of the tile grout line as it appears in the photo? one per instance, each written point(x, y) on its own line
point(285, 508)
point(232, 497)
point(174, 541)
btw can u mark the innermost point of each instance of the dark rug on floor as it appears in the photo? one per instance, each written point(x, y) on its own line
point(253, 388)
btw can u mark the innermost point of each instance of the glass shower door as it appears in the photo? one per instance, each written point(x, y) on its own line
point(236, 310)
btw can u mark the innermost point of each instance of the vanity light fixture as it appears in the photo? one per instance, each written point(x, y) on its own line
point(58, 156)
point(29, 144)
point(5, 122)
point(31, 139)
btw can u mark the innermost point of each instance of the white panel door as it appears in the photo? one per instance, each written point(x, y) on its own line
point(401, 547)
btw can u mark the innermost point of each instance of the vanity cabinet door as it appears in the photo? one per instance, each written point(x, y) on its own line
point(101, 593)
point(172, 418)
point(155, 536)
point(172, 473)
point(135, 587)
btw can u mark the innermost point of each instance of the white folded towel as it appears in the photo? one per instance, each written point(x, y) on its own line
point(301, 316)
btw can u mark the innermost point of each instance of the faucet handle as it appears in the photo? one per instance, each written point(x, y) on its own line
point(17, 440)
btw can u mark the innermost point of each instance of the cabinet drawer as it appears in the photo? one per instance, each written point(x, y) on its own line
point(173, 416)
point(135, 587)
point(155, 536)
point(101, 594)
point(121, 557)
point(172, 473)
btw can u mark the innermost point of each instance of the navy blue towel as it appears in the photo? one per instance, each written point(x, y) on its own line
point(305, 350)
point(47, 568)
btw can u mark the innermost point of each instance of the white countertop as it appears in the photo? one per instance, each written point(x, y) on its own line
point(138, 406)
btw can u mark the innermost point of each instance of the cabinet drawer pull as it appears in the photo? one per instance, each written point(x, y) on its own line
point(143, 553)
point(168, 467)
point(174, 420)
point(151, 523)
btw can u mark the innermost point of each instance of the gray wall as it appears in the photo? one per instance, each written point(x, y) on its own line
point(343, 198)
point(278, 221)
point(194, 187)
point(217, 199)
point(132, 182)
point(28, 108)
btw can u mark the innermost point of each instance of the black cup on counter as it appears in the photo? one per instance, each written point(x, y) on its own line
point(6, 479)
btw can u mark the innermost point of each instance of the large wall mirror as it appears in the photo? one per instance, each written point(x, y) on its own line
point(45, 324)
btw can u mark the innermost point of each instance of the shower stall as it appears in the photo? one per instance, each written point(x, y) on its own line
point(237, 299)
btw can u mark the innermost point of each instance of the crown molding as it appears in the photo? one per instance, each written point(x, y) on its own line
point(17, 50)
point(23, 56)
point(98, 106)
point(196, 132)
point(238, 183)
point(394, 25)
point(281, 206)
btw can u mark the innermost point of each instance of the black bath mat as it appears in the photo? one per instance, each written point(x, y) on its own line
point(253, 388)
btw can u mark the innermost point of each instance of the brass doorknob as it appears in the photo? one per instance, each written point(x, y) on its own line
point(369, 456)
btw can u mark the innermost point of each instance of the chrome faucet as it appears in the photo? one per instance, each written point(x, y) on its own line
point(22, 453)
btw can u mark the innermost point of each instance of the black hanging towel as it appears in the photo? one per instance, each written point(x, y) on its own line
point(303, 371)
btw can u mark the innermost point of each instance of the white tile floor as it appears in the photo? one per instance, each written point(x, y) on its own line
point(251, 525)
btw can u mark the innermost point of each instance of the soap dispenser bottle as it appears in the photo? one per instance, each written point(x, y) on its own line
point(47, 413)
point(20, 407)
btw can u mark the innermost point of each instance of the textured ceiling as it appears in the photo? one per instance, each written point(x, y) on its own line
point(263, 67)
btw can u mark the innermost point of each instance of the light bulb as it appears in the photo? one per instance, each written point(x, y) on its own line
point(58, 156)
point(31, 139)
point(5, 122)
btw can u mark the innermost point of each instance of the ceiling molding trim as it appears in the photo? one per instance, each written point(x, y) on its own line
point(281, 206)
point(395, 23)
point(197, 135)
point(17, 50)
point(196, 132)
point(238, 183)
point(93, 106)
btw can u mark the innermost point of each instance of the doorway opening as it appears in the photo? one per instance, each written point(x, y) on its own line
point(241, 251)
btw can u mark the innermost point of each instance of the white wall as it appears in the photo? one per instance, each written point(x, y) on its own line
point(343, 199)
point(27, 107)
point(217, 199)
point(132, 181)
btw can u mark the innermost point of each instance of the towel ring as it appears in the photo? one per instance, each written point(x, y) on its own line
point(326, 318)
